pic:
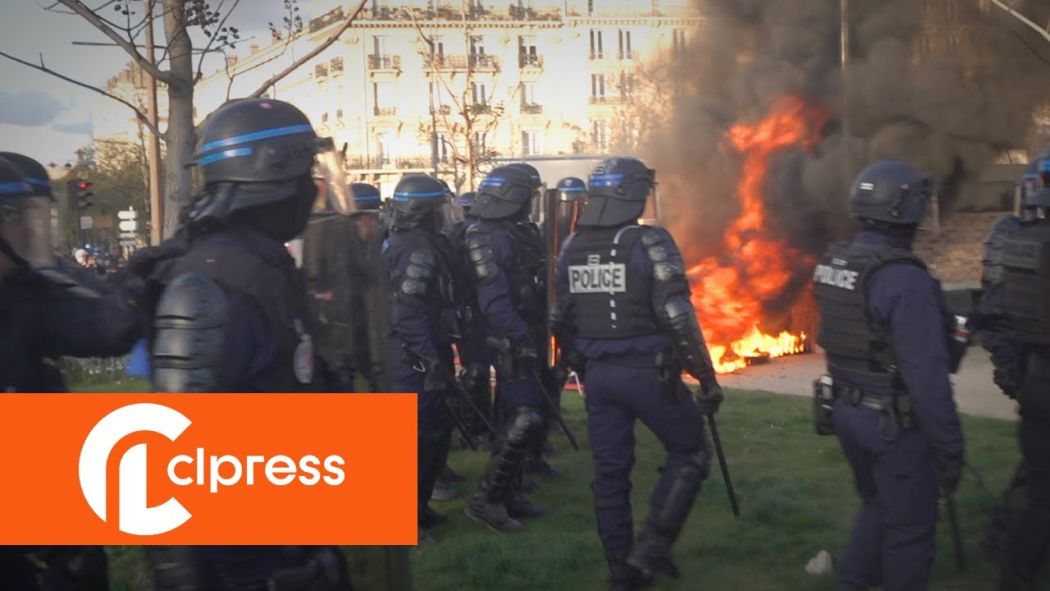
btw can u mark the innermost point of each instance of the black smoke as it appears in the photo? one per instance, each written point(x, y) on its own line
point(947, 86)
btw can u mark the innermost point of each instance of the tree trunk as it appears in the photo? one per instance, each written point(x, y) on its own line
point(180, 133)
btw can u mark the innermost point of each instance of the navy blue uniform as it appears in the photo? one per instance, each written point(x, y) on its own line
point(893, 541)
point(41, 320)
point(423, 291)
point(630, 372)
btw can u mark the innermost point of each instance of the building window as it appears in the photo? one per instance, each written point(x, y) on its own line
point(477, 45)
point(597, 88)
point(530, 143)
point(336, 66)
point(527, 54)
point(379, 45)
point(480, 94)
point(600, 135)
point(383, 150)
point(324, 118)
point(479, 141)
point(339, 115)
point(678, 43)
point(596, 45)
point(626, 85)
point(321, 71)
point(625, 52)
point(384, 98)
point(592, 7)
point(441, 148)
point(437, 48)
point(440, 98)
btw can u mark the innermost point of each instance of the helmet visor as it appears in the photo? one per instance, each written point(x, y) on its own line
point(27, 228)
point(328, 168)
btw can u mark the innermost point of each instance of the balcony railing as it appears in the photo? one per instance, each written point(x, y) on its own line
point(385, 111)
point(531, 109)
point(384, 62)
point(481, 108)
point(441, 109)
point(628, 54)
point(607, 100)
point(386, 161)
point(484, 61)
point(530, 60)
point(597, 55)
point(478, 61)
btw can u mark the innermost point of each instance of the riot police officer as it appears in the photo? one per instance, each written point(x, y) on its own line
point(44, 314)
point(1022, 359)
point(366, 196)
point(624, 321)
point(422, 269)
point(506, 258)
point(231, 314)
point(885, 328)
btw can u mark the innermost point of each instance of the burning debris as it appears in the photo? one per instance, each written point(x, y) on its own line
point(771, 119)
point(732, 290)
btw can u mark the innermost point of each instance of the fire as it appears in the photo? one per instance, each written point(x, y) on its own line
point(731, 290)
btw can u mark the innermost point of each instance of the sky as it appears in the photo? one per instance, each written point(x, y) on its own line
point(49, 119)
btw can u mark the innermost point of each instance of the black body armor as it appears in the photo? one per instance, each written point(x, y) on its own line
point(1026, 276)
point(858, 348)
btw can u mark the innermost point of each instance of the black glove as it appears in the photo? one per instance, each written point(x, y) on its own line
point(948, 477)
point(526, 361)
point(473, 377)
point(711, 396)
point(437, 378)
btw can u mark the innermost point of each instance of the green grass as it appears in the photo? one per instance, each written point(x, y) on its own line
point(796, 499)
point(795, 493)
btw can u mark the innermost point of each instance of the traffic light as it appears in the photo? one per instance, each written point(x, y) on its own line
point(84, 194)
point(79, 193)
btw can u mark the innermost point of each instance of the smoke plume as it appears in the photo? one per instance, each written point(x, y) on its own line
point(950, 110)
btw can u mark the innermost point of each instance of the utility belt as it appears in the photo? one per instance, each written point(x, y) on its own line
point(896, 408)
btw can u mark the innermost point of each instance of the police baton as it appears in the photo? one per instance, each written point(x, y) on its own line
point(464, 432)
point(953, 525)
point(717, 439)
point(465, 396)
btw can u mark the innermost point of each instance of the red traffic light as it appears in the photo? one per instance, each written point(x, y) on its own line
point(84, 185)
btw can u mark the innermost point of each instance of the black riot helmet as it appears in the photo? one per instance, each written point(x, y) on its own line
point(891, 192)
point(505, 193)
point(617, 192)
point(419, 201)
point(571, 186)
point(466, 201)
point(258, 152)
point(1038, 201)
point(534, 175)
point(366, 196)
point(25, 218)
point(32, 172)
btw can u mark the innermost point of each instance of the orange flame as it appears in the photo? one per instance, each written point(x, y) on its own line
point(730, 291)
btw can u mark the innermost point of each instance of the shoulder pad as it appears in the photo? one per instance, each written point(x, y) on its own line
point(189, 324)
point(419, 272)
point(663, 253)
point(481, 255)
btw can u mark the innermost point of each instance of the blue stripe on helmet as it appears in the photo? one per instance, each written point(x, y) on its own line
point(409, 196)
point(35, 181)
point(606, 180)
point(374, 197)
point(1043, 166)
point(14, 187)
point(494, 181)
point(256, 136)
point(224, 155)
point(1031, 175)
point(571, 189)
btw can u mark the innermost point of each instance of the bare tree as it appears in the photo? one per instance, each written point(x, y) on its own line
point(462, 128)
point(174, 70)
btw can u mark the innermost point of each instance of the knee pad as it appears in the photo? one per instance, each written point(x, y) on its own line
point(526, 424)
point(696, 466)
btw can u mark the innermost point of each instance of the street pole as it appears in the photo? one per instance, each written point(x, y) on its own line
point(156, 201)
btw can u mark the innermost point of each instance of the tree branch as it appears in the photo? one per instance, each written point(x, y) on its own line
point(1027, 21)
point(211, 40)
point(309, 56)
point(138, 113)
point(128, 46)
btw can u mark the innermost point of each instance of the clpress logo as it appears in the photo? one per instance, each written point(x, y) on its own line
point(210, 469)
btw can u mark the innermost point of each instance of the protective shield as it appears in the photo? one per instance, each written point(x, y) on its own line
point(328, 166)
point(346, 281)
point(562, 212)
point(29, 219)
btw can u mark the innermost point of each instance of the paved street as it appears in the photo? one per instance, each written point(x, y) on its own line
point(974, 390)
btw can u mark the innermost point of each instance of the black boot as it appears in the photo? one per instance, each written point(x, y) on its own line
point(488, 504)
point(624, 577)
point(520, 507)
point(431, 518)
point(651, 553)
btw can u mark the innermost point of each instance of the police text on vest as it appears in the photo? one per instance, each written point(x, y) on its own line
point(841, 278)
point(607, 278)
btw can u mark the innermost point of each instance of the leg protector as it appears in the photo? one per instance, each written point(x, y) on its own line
point(434, 447)
point(176, 568)
point(652, 551)
point(1029, 533)
point(506, 463)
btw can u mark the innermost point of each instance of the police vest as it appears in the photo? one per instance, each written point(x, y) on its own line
point(610, 301)
point(1026, 278)
point(858, 348)
point(276, 289)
